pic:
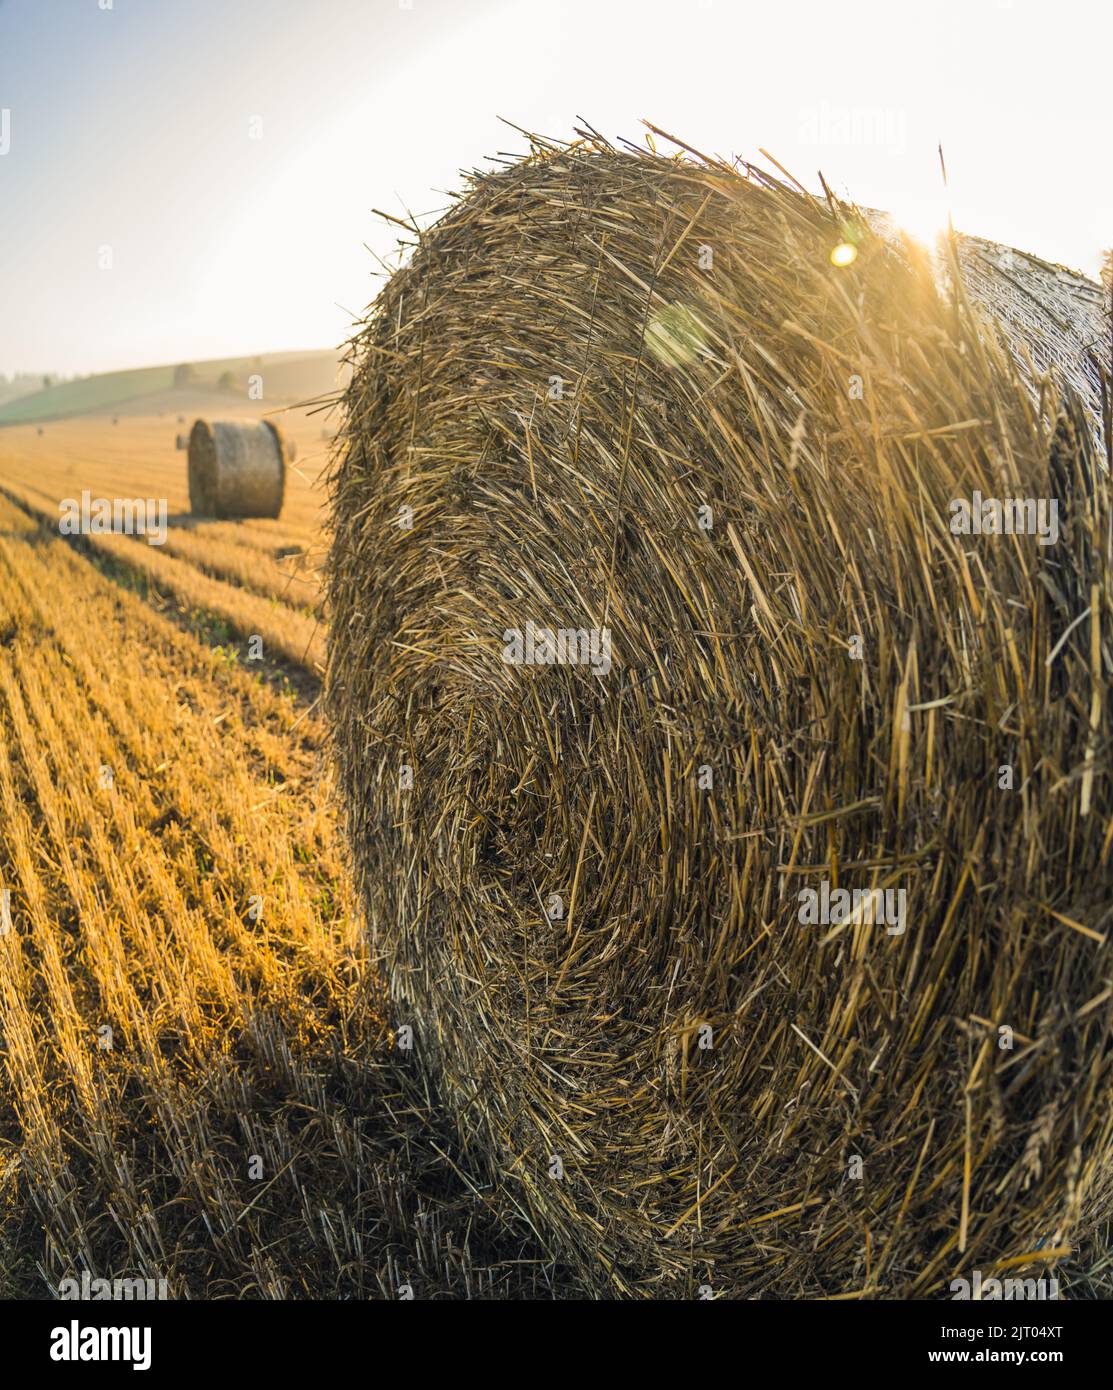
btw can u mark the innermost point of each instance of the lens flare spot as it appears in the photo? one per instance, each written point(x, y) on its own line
point(844, 254)
point(675, 336)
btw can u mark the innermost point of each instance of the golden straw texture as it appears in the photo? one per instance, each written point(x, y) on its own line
point(614, 391)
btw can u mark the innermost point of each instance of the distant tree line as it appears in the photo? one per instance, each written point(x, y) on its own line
point(24, 384)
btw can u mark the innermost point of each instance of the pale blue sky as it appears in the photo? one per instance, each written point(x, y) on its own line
point(131, 128)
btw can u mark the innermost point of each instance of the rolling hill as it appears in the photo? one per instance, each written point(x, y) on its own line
point(287, 377)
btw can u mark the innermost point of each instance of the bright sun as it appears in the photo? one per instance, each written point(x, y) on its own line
point(925, 219)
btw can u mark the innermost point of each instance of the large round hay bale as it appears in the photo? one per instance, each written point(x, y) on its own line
point(236, 469)
point(635, 402)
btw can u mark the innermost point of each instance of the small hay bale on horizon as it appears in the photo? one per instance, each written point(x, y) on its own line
point(635, 399)
point(236, 469)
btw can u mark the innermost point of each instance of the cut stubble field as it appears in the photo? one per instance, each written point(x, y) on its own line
point(197, 1076)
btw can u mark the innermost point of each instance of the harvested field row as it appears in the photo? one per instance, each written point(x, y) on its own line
point(253, 567)
point(290, 633)
point(196, 1083)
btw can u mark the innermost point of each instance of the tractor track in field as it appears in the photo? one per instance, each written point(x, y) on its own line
point(212, 626)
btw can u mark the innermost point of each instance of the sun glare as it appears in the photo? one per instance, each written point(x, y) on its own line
point(925, 220)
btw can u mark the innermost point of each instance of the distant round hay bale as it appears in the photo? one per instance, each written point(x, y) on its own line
point(181, 441)
point(236, 469)
point(291, 450)
point(634, 401)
